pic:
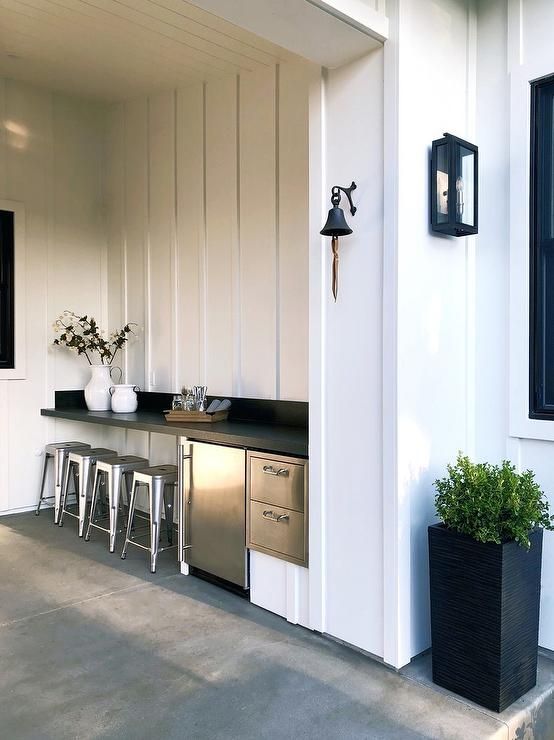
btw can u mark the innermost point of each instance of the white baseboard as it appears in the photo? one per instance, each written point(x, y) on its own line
point(24, 509)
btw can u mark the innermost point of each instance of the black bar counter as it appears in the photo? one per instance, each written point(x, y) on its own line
point(278, 427)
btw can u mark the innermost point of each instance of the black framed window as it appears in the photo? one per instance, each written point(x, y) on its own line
point(541, 385)
point(7, 318)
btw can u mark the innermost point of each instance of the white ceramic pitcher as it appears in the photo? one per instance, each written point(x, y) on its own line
point(124, 398)
point(97, 390)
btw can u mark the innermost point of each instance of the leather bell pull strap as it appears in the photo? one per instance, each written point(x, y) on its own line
point(335, 281)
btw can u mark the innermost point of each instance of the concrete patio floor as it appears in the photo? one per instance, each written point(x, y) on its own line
point(95, 647)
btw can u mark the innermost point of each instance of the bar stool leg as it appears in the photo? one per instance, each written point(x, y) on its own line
point(84, 485)
point(130, 519)
point(126, 486)
point(43, 481)
point(94, 502)
point(63, 492)
point(169, 497)
point(156, 503)
point(61, 462)
point(114, 489)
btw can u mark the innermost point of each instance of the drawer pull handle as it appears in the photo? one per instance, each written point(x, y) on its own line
point(270, 470)
point(268, 514)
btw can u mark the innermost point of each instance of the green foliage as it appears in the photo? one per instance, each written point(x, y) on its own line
point(82, 335)
point(491, 503)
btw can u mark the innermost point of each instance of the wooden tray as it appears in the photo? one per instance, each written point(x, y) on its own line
point(182, 417)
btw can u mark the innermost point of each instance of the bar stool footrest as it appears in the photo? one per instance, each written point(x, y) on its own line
point(137, 544)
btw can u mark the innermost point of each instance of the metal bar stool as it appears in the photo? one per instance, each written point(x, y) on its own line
point(83, 465)
point(115, 472)
point(59, 452)
point(158, 479)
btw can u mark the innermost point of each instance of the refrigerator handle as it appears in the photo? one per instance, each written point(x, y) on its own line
point(184, 462)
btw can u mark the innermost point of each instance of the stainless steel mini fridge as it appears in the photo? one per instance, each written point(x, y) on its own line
point(213, 493)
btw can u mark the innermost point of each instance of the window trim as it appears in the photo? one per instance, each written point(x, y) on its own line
point(537, 408)
point(18, 372)
point(517, 170)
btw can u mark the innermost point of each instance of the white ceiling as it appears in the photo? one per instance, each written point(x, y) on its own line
point(119, 49)
point(328, 32)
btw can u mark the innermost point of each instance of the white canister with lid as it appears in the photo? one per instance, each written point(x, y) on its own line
point(124, 398)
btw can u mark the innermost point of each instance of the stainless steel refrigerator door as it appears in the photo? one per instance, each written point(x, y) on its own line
point(215, 512)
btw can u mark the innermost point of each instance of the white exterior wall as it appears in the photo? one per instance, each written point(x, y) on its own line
point(460, 358)
point(208, 234)
point(51, 152)
point(429, 282)
point(351, 371)
point(514, 47)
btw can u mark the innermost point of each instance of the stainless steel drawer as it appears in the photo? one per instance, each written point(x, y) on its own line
point(278, 531)
point(277, 481)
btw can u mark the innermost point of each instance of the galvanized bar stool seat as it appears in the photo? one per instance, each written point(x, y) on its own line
point(82, 464)
point(58, 452)
point(114, 472)
point(160, 481)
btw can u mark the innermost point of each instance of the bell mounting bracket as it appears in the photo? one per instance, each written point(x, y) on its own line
point(336, 195)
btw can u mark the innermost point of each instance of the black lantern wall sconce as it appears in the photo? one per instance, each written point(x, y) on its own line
point(454, 170)
point(336, 226)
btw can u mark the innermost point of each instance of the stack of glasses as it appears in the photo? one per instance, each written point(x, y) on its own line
point(195, 399)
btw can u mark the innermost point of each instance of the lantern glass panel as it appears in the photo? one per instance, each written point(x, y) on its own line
point(442, 183)
point(465, 186)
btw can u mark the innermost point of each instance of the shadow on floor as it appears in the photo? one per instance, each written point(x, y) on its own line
point(95, 647)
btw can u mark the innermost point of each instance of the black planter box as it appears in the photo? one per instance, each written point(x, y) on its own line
point(484, 616)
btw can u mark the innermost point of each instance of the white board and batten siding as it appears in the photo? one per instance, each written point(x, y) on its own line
point(51, 154)
point(207, 233)
point(515, 48)
point(208, 242)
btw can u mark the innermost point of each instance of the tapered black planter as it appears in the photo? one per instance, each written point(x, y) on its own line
point(484, 616)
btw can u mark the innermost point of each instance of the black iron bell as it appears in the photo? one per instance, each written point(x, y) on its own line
point(336, 223)
point(336, 226)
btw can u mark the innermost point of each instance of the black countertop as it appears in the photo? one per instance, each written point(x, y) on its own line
point(252, 433)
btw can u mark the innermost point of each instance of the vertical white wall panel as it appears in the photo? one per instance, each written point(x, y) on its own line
point(78, 220)
point(352, 360)
point(75, 242)
point(77, 253)
point(191, 307)
point(293, 235)
point(268, 583)
point(114, 189)
point(136, 235)
point(258, 235)
point(162, 338)
point(432, 378)
point(222, 252)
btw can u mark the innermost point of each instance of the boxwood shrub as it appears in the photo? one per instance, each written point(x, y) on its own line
point(491, 503)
